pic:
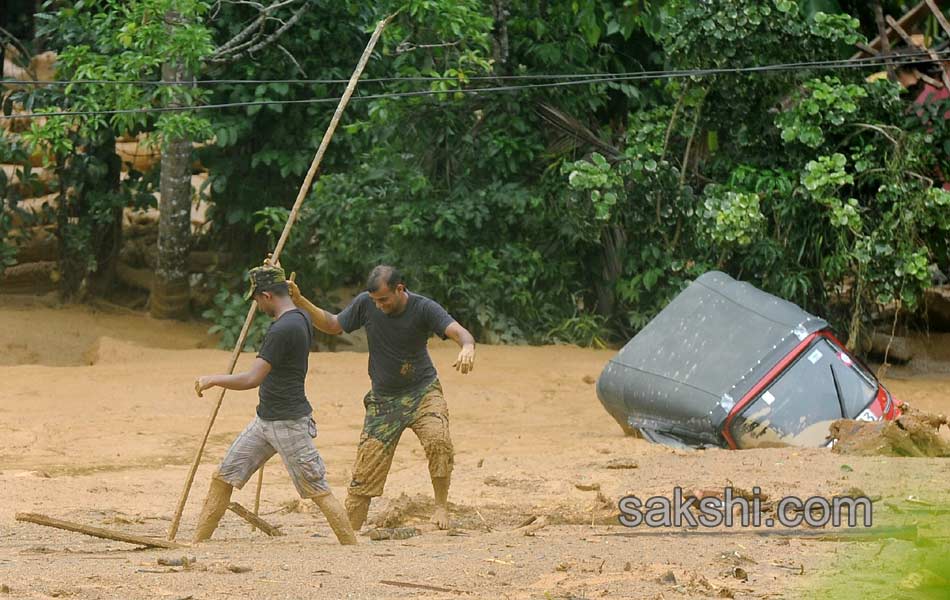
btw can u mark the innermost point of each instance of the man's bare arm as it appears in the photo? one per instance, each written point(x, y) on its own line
point(466, 359)
point(247, 380)
point(322, 320)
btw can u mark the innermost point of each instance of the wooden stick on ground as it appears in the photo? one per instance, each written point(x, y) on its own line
point(304, 189)
point(422, 586)
point(99, 532)
point(257, 496)
point(254, 520)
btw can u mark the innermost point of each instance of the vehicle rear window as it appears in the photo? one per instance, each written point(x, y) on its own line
point(797, 408)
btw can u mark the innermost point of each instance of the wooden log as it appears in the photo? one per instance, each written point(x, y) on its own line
point(99, 532)
point(43, 247)
point(28, 278)
point(254, 520)
point(897, 349)
point(132, 277)
point(141, 278)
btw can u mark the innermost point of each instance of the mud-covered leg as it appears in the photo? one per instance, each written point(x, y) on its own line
point(440, 516)
point(219, 495)
point(337, 518)
point(373, 461)
point(432, 428)
point(357, 507)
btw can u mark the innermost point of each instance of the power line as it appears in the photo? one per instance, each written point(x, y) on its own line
point(586, 80)
point(870, 61)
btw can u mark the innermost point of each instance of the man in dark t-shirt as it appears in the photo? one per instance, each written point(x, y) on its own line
point(405, 387)
point(283, 424)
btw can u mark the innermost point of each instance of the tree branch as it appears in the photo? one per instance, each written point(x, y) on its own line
point(293, 59)
point(238, 42)
point(234, 54)
point(879, 129)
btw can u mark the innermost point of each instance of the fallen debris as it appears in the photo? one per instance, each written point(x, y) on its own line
point(588, 487)
point(254, 520)
point(422, 586)
point(238, 569)
point(161, 571)
point(393, 533)
point(533, 527)
point(527, 521)
point(181, 561)
point(99, 532)
point(622, 463)
point(914, 433)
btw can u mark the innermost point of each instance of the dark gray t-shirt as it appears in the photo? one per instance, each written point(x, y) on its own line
point(399, 360)
point(287, 348)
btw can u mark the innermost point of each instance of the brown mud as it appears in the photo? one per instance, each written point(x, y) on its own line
point(98, 422)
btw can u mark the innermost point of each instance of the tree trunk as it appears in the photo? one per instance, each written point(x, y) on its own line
point(500, 37)
point(170, 291)
point(614, 242)
point(106, 235)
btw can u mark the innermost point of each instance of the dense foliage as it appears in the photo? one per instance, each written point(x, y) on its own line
point(558, 213)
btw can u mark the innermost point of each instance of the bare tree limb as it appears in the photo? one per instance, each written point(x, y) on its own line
point(234, 55)
point(241, 36)
point(877, 128)
point(409, 47)
point(293, 59)
point(237, 43)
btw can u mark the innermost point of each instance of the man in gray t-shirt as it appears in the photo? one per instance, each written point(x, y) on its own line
point(405, 387)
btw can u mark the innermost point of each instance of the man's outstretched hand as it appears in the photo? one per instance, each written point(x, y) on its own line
point(466, 359)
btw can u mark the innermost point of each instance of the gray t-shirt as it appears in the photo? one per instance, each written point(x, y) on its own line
point(399, 360)
point(287, 348)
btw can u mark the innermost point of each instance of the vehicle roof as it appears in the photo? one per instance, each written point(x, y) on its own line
point(688, 367)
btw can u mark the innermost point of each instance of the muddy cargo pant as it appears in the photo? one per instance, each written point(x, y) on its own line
point(424, 412)
point(292, 439)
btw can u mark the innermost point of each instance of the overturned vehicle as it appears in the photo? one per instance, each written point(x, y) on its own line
point(728, 365)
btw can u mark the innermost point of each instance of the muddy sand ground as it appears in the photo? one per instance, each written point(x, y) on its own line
point(98, 424)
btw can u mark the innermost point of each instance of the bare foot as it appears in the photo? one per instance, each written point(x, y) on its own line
point(441, 517)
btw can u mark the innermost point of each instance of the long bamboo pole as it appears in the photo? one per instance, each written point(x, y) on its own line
point(99, 532)
point(304, 189)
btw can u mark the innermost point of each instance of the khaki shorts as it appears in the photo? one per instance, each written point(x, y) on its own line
point(292, 439)
point(426, 413)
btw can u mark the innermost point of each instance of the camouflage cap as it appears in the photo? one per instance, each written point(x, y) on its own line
point(264, 277)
